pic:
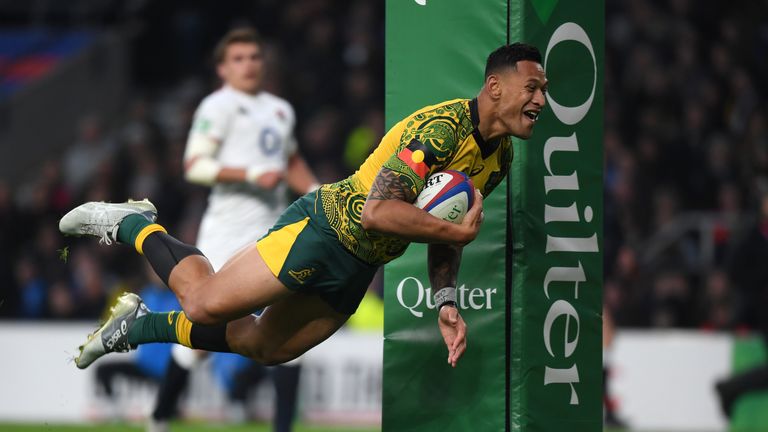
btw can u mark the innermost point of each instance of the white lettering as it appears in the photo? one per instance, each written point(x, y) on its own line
point(474, 294)
point(571, 31)
point(419, 298)
point(565, 274)
point(560, 182)
point(462, 296)
point(414, 297)
point(563, 376)
point(564, 214)
point(114, 338)
point(561, 214)
point(572, 244)
point(488, 293)
point(558, 309)
point(430, 299)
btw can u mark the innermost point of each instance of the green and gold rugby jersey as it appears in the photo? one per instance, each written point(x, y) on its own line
point(435, 138)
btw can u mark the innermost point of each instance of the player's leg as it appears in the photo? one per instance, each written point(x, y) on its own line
point(287, 329)
point(293, 324)
point(219, 243)
point(206, 297)
point(106, 374)
point(131, 323)
point(322, 275)
point(173, 384)
point(244, 285)
point(286, 378)
point(244, 381)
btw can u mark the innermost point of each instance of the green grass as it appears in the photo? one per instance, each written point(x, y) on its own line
point(175, 427)
point(631, 430)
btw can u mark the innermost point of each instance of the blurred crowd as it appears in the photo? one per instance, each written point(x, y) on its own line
point(325, 57)
point(686, 139)
point(686, 159)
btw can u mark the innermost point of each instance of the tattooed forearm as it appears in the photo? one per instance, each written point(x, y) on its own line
point(443, 262)
point(389, 184)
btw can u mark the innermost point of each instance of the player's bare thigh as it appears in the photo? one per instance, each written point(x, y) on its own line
point(244, 284)
point(285, 330)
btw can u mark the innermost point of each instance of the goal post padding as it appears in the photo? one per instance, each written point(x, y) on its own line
point(434, 52)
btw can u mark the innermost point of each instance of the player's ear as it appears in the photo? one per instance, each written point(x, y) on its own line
point(493, 84)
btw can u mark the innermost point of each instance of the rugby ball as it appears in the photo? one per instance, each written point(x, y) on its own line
point(448, 195)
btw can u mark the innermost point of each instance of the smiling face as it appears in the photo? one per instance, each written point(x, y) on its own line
point(519, 94)
point(242, 67)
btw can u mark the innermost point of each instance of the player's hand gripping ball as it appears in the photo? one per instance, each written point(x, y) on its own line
point(448, 195)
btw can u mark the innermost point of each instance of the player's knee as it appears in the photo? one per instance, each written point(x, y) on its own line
point(201, 309)
point(274, 359)
point(269, 357)
point(198, 312)
point(268, 361)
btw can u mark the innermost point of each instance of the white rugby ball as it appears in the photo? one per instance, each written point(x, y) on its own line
point(448, 195)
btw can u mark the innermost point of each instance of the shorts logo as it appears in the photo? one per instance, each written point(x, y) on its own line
point(301, 275)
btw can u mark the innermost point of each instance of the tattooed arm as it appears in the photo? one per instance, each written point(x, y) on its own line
point(443, 262)
point(389, 209)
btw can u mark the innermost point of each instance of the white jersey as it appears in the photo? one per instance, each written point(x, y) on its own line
point(253, 131)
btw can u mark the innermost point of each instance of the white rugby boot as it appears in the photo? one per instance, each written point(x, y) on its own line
point(102, 219)
point(112, 336)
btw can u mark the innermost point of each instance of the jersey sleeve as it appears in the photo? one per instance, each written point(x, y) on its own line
point(291, 145)
point(212, 119)
point(425, 148)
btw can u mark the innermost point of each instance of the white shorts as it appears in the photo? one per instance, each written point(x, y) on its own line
point(229, 224)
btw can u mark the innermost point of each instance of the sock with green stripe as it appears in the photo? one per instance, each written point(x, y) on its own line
point(175, 327)
point(154, 327)
point(130, 227)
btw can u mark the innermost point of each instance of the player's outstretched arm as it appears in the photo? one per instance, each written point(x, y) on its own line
point(443, 262)
point(389, 209)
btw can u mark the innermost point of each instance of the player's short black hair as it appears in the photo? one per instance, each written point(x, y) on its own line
point(508, 56)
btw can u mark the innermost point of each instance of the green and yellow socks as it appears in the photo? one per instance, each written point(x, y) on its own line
point(164, 252)
point(152, 240)
point(135, 228)
point(175, 327)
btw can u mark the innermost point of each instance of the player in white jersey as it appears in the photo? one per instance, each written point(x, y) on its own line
point(255, 132)
point(242, 145)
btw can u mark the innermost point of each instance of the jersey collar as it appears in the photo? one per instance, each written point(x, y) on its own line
point(240, 93)
point(486, 148)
